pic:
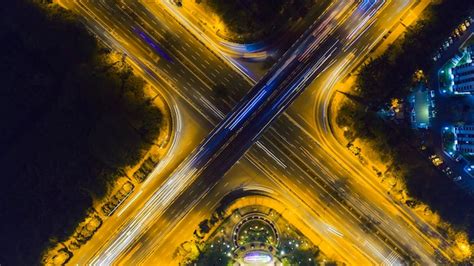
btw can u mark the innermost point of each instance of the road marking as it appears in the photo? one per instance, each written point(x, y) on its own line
point(279, 162)
point(334, 231)
point(130, 202)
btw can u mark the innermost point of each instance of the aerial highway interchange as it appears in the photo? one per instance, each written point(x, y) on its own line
point(291, 153)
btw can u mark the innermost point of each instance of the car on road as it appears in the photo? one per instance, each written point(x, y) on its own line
point(457, 178)
point(436, 160)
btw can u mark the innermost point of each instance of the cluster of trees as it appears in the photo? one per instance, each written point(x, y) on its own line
point(206, 225)
point(86, 230)
point(390, 76)
point(212, 254)
point(72, 119)
point(254, 20)
point(308, 256)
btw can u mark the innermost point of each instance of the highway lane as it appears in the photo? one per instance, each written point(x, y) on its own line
point(194, 16)
point(187, 72)
point(186, 144)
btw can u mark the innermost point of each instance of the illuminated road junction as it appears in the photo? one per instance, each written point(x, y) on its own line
point(237, 132)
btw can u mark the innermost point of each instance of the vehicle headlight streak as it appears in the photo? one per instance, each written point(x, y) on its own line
point(363, 25)
point(233, 63)
point(301, 83)
point(321, 34)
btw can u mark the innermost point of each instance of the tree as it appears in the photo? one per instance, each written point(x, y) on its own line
point(204, 226)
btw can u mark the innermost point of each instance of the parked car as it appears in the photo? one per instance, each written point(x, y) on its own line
point(436, 160)
point(457, 33)
point(467, 23)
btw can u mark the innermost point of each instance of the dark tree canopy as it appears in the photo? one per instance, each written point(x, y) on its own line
point(256, 19)
point(71, 120)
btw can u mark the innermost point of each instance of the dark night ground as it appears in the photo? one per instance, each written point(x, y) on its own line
point(70, 121)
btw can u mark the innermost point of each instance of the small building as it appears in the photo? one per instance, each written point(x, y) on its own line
point(463, 78)
point(463, 74)
point(464, 138)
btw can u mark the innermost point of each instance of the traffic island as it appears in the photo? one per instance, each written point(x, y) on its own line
point(250, 235)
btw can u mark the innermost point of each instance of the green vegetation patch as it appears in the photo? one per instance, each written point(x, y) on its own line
point(72, 119)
